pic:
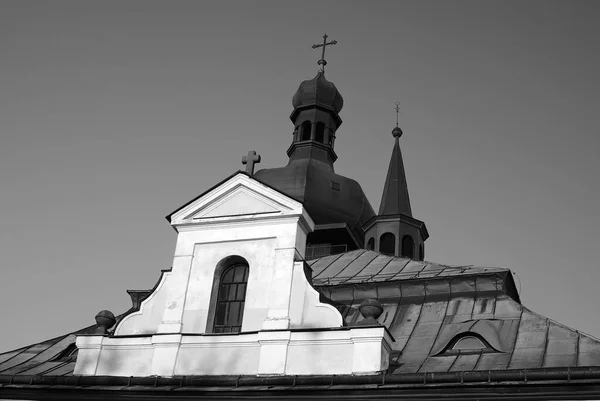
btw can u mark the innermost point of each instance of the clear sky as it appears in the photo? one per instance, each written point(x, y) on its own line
point(115, 113)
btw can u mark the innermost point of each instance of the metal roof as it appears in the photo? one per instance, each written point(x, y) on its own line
point(395, 198)
point(362, 266)
point(426, 306)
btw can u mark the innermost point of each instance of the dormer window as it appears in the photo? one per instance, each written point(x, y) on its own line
point(467, 343)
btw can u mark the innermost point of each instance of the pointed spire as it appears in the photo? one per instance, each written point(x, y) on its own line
point(395, 198)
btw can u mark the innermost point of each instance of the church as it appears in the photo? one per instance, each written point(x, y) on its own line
point(286, 283)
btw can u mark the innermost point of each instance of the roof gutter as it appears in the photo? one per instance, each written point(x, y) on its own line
point(514, 376)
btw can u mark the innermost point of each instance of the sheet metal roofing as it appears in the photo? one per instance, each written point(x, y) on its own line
point(424, 313)
point(362, 266)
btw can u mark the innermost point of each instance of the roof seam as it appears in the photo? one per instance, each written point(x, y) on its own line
point(53, 368)
point(512, 353)
point(418, 318)
point(437, 334)
point(327, 267)
point(477, 362)
point(546, 342)
point(349, 263)
point(357, 274)
point(34, 355)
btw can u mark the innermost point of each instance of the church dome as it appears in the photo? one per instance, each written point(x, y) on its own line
point(318, 91)
point(328, 197)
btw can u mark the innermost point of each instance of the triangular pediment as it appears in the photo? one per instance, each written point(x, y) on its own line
point(241, 201)
point(238, 197)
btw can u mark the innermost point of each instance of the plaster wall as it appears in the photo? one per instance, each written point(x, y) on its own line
point(342, 351)
point(246, 219)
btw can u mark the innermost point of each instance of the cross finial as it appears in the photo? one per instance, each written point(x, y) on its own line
point(250, 160)
point(397, 132)
point(322, 61)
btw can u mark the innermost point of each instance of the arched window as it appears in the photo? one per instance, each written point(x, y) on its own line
point(422, 252)
point(371, 244)
point(305, 131)
point(387, 244)
point(408, 247)
point(228, 296)
point(320, 132)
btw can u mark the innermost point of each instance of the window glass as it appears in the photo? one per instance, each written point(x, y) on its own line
point(306, 127)
point(320, 132)
point(469, 342)
point(387, 244)
point(408, 246)
point(230, 299)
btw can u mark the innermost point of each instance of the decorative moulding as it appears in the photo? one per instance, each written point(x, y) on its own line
point(239, 198)
point(359, 351)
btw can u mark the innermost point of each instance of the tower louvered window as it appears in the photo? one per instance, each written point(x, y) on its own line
point(387, 244)
point(408, 247)
point(230, 299)
point(305, 131)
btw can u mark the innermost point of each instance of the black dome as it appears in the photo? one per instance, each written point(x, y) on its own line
point(318, 91)
point(309, 181)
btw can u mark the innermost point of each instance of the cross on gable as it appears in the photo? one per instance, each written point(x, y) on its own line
point(250, 160)
point(325, 43)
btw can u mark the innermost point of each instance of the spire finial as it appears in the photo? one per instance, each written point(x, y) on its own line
point(397, 132)
point(322, 61)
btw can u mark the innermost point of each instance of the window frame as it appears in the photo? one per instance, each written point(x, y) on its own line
point(450, 350)
point(409, 242)
point(222, 267)
point(383, 242)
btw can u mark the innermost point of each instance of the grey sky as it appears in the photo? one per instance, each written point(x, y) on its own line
point(113, 114)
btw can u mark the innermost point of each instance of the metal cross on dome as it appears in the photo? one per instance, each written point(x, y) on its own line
point(250, 160)
point(322, 61)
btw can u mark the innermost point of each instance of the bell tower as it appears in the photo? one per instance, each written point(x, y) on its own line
point(337, 204)
point(317, 104)
point(394, 231)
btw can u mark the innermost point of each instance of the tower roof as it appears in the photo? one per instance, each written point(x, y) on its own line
point(395, 198)
point(318, 91)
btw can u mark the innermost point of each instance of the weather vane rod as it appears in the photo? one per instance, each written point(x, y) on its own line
point(397, 111)
point(322, 61)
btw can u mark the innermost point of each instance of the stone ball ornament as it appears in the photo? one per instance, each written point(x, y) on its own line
point(105, 319)
point(370, 309)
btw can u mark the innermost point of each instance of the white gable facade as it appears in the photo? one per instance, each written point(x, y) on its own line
point(284, 328)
